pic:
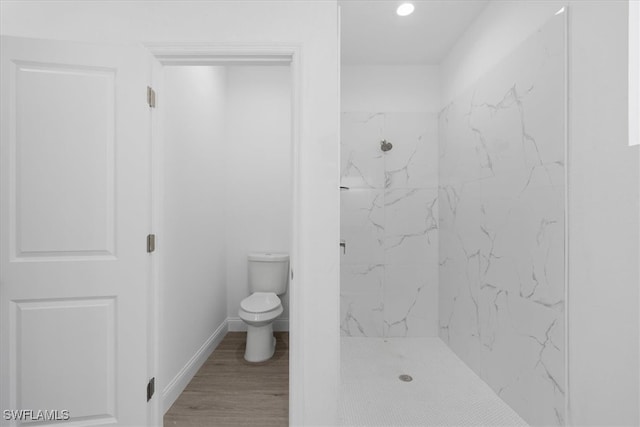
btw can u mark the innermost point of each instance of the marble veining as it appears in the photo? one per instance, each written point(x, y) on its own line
point(501, 227)
point(389, 222)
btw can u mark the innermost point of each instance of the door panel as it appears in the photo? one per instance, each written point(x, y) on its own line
point(53, 324)
point(75, 194)
point(75, 111)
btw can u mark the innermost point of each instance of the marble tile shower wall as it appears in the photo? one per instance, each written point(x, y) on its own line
point(501, 236)
point(389, 271)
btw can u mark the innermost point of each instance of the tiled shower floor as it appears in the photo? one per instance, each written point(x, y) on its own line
point(443, 392)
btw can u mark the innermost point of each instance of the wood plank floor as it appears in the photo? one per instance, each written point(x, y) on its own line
point(229, 391)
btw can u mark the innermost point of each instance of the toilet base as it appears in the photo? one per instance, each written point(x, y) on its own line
point(261, 344)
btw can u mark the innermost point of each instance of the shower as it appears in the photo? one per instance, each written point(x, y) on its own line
point(450, 228)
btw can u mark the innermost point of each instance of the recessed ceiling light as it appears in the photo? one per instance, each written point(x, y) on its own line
point(405, 9)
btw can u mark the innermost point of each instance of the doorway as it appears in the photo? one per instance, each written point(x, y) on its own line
point(224, 169)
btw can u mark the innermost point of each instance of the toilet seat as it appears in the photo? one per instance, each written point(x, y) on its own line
point(260, 307)
point(260, 302)
point(258, 319)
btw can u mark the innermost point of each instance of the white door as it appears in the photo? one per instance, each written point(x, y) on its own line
point(75, 214)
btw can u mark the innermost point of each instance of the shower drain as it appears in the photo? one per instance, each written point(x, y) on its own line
point(406, 378)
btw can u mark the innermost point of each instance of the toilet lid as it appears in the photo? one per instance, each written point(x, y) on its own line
point(259, 302)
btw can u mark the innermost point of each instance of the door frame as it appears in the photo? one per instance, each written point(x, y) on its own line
point(178, 53)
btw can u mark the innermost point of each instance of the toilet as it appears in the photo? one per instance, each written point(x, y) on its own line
point(268, 277)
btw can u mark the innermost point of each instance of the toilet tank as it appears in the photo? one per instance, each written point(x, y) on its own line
point(268, 272)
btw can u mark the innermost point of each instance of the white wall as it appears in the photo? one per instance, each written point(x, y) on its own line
point(380, 268)
point(257, 153)
point(495, 32)
point(313, 28)
point(193, 278)
point(389, 269)
point(634, 73)
point(502, 309)
point(604, 187)
point(603, 191)
point(390, 88)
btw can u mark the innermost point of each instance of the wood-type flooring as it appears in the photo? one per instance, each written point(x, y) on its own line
point(229, 391)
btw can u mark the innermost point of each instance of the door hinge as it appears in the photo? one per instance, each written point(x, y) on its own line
point(151, 388)
point(151, 243)
point(151, 97)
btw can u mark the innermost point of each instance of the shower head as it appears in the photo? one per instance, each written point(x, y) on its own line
point(385, 145)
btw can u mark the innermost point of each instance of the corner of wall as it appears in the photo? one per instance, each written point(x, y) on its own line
point(178, 383)
point(500, 27)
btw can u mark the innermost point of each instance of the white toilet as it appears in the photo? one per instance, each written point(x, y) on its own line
point(268, 277)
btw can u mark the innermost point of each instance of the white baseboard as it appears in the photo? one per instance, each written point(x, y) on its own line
point(177, 385)
point(237, 325)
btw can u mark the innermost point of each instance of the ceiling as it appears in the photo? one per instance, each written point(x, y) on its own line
point(372, 33)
